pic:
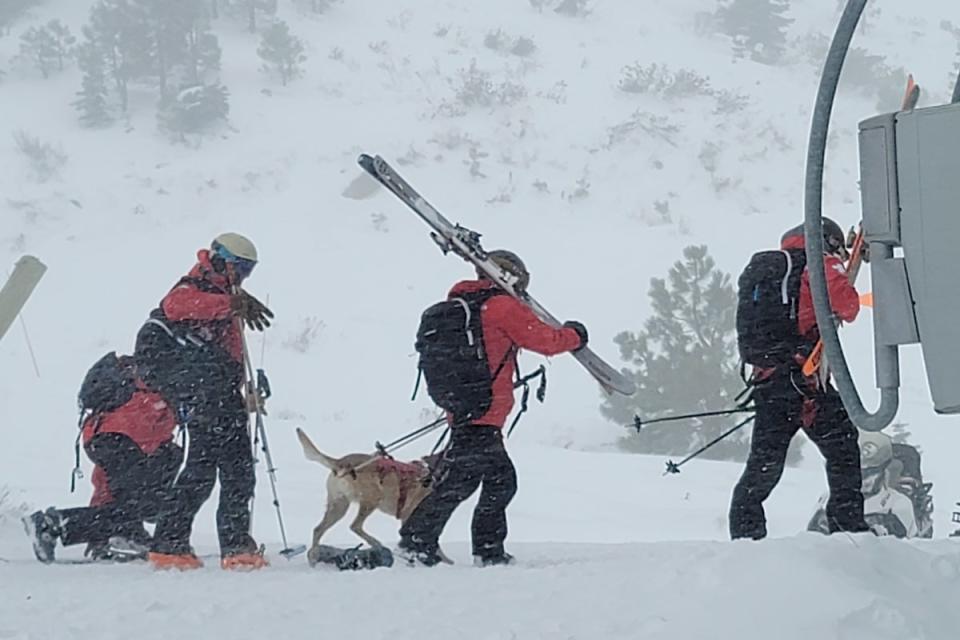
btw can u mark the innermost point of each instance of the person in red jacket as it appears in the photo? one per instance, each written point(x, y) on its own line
point(476, 455)
point(786, 401)
point(136, 462)
point(192, 350)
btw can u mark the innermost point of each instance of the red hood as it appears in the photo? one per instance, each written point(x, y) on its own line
point(470, 286)
point(793, 242)
point(204, 269)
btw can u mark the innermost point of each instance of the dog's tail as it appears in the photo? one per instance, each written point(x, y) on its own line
point(312, 453)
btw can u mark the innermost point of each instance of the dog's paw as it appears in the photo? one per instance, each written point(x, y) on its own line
point(313, 556)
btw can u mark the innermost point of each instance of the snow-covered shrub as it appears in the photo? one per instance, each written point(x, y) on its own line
point(44, 158)
point(660, 81)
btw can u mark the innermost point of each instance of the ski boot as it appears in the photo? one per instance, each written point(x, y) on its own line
point(44, 529)
point(418, 555)
point(493, 560)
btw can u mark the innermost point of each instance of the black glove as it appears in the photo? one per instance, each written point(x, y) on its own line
point(250, 310)
point(581, 331)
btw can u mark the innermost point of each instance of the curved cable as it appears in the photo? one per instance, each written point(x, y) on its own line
point(813, 230)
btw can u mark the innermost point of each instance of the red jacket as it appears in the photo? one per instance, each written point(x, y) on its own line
point(207, 311)
point(146, 419)
point(507, 324)
point(844, 299)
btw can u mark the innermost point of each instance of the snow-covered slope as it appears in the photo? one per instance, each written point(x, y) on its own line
point(349, 278)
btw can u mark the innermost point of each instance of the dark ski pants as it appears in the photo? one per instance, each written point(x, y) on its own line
point(475, 456)
point(141, 486)
point(779, 416)
point(219, 445)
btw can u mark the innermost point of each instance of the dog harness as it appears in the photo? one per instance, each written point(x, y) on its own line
point(404, 471)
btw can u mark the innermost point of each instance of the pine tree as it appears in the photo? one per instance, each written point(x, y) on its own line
point(92, 99)
point(685, 361)
point(37, 46)
point(899, 433)
point(166, 42)
point(195, 109)
point(47, 47)
point(11, 11)
point(282, 52)
point(118, 32)
point(314, 6)
point(758, 27)
point(251, 11)
point(63, 41)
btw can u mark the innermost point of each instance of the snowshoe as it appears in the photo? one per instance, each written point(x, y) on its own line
point(350, 559)
point(180, 561)
point(43, 529)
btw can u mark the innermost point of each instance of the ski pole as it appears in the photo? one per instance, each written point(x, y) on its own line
point(742, 399)
point(674, 467)
point(286, 552)
point(639, 422)
point(410, 437)
point(385, 449)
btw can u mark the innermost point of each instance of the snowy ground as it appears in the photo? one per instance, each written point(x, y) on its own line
point(608, 547)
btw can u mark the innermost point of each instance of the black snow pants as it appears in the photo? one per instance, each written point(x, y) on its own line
point(779, 415)
point(141, 486)
point(219, 444)
point(476, 455)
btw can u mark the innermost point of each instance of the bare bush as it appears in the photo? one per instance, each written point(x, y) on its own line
point(45, 159)
point(659, 80)
point(521, 46)
point(475, 88)
point(653, 125)
point(573, 8)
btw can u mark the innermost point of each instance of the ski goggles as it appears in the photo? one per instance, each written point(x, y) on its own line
point(242, 267)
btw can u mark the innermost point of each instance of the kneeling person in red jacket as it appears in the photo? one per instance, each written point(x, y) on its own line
point(136, 462)
point(476, 455)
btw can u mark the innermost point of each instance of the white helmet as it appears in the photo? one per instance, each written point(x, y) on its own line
point(235, 245)
point(876, 449)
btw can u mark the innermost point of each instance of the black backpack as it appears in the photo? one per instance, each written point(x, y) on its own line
point(768, 296)
point(453, 359)
point(108, 385)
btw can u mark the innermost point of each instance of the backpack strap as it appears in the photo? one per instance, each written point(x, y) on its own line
point(785, 284)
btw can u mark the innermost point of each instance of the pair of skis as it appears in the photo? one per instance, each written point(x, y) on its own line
point(466, 244)
point(816, 363)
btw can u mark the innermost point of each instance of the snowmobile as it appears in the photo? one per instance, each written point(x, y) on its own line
point(897, 501)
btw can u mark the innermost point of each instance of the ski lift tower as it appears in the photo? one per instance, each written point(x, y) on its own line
point(910, 195)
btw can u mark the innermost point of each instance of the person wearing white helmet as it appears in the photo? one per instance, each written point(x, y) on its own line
point(191, 350)
point(889, 512)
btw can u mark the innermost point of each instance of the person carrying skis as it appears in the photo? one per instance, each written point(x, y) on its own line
point(776, 339)
point(476, 454)
point(132, 445)
point(193, 348)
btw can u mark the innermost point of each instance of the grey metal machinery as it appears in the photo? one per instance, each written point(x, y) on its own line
point(910, 193)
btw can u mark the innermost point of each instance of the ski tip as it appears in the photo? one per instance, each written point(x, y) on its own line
point(366, 163)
